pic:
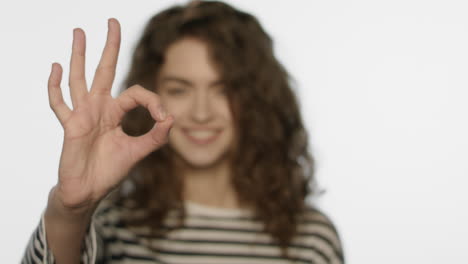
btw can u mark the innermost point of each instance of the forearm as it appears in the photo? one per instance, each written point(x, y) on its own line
point(65, 229)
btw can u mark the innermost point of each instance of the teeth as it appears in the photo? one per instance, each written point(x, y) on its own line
point(203, 134)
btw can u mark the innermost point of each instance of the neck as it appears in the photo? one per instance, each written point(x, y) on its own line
point(210, 186)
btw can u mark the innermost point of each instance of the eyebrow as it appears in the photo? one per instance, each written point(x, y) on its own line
point(183, 81)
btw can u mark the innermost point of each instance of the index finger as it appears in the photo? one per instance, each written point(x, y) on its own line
point(105, 72)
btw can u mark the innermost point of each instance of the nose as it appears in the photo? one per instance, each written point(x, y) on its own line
point(201, 111)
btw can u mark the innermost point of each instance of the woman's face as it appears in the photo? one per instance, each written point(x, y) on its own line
point(191, 90)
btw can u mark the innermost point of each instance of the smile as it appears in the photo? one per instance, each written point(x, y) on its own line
point(202, 137)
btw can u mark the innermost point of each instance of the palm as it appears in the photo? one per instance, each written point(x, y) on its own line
point(96, 153)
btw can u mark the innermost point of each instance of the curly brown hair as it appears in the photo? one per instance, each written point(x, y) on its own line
point(273, 166)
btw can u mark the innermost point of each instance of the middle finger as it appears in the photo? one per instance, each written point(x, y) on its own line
point(77, 81)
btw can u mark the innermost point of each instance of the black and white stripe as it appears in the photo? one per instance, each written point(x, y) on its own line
point(207, 237)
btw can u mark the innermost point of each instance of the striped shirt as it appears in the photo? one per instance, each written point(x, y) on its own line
point(209, 236)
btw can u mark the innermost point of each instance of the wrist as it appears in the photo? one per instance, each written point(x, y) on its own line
point(57, 209)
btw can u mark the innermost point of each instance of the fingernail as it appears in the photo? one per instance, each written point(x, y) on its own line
point(109, 23)
point(162, 113)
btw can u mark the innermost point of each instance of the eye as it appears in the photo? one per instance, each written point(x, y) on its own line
point(221, 90)
point(175, 90)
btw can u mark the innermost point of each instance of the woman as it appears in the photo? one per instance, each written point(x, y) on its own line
point(229, 187)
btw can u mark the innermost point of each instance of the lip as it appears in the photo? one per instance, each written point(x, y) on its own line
point(201, 141)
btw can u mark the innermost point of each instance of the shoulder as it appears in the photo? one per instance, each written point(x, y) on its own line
point(313, 216)
point(317, 231)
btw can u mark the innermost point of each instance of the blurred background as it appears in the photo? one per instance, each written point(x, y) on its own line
point(382, 84)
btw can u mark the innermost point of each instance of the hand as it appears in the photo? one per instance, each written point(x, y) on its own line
point(97, 154)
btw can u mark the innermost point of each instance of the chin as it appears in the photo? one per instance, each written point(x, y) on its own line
point(201, 161)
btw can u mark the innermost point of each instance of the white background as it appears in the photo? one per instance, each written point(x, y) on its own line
point(383, 89)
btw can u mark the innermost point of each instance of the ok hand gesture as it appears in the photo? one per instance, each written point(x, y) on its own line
point(97, 154)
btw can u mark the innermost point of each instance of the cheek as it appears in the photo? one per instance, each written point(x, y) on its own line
point(175, 108)
point(221, 107)
point(229, 118)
